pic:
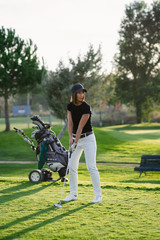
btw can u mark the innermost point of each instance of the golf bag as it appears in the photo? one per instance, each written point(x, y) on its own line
point(49, 150)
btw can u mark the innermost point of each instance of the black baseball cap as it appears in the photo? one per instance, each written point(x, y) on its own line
point(78, 88)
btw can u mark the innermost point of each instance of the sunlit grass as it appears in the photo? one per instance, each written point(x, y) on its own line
point(116, 144)
point(130, 206)
point(129, 210)
point(24, 122)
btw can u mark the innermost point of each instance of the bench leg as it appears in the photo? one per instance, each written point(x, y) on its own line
point(141, 173)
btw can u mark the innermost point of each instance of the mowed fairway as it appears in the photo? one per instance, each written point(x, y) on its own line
point(116, 144)
point(126, 143)
point(131, 205)
point(129, 210)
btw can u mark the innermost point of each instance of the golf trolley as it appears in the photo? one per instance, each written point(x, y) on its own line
point(49, 150)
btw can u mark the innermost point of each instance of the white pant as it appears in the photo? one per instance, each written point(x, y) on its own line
point(88, 144)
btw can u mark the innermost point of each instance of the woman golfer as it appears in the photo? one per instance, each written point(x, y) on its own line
point(81, 137)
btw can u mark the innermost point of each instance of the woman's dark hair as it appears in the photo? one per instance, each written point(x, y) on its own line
point(74, 98)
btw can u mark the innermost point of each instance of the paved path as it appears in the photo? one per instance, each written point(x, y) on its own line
point(109, 164)
point(17, 162)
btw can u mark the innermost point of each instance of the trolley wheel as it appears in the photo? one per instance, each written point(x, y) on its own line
point(36, 176)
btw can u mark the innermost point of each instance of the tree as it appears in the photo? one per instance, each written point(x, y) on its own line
point(58, 84)
point(138, 60)
point(19, 66)
point(110, 86)
point(87, 70)
point(57, 88)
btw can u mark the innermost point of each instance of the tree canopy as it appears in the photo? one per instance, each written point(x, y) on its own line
point(85, 70)
point(19, 66)
point(138, 60)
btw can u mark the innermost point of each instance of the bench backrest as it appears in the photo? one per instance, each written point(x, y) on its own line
point(150, 160)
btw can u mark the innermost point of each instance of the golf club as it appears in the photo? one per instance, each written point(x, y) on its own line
point(59, 204)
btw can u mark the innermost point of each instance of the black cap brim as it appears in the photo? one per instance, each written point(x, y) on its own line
point(80, 89)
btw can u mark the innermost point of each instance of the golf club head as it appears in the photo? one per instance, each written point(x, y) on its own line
point(57, 205)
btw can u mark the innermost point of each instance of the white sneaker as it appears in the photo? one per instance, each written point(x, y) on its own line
point(70, 198)
point(97, 199)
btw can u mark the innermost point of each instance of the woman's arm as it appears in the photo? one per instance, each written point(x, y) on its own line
point(70, 127)
point(81, 125)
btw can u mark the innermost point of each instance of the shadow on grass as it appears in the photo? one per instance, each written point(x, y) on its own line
point(23, 219)
point(16, 188)
point(142, 181)
point(130, 188)
point(10, 197)
point(41, 224)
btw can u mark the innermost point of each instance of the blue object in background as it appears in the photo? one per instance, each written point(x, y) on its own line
point(21, 110)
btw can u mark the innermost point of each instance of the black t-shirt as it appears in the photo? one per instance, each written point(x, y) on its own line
point(77, 112)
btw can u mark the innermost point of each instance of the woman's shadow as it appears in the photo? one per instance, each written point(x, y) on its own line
point(41, 224)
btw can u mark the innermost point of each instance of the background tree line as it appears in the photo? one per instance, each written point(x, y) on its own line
point(135, 80)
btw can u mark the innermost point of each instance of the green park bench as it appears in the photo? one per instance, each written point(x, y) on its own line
point(148, 163)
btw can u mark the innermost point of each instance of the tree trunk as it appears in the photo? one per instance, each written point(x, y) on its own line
point(6, 113)
point(60, 135)
point(139, 113)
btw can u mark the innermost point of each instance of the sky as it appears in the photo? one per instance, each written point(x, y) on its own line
point(63, 29)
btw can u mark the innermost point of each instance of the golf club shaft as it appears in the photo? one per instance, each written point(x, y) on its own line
point(64, 185)
point(70, 153)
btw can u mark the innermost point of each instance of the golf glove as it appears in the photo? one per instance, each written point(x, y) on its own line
point(73, 147)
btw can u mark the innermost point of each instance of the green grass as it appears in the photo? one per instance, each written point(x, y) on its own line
point(129, 210)
point(22, 122)
point(126, 143)
point(117, 144)
point(130, 206)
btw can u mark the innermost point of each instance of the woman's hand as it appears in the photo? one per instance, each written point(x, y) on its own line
point(73, 147)
point(71, 141)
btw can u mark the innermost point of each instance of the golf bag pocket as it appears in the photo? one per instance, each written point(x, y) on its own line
point(56, 161)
